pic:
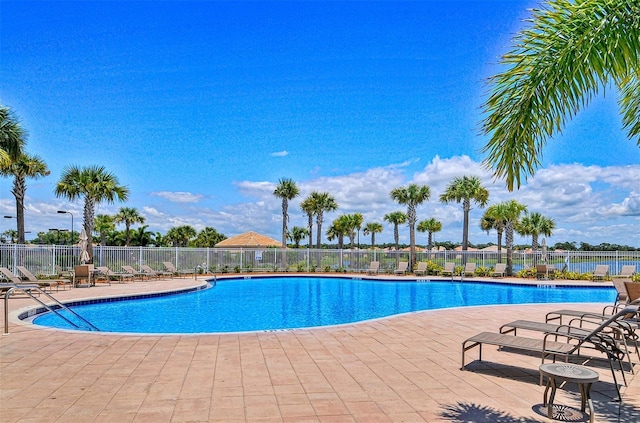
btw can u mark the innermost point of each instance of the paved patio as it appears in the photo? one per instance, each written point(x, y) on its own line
point(398, 369)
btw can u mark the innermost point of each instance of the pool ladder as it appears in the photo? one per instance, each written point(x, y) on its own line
point(53, 308)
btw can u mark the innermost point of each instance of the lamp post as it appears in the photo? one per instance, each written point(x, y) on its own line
point(57, 234)
point(68, 212)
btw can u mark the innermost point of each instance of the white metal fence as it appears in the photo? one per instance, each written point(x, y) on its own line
point(43, 259)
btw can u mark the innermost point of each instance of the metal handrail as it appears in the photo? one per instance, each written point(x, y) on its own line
point(27, 290)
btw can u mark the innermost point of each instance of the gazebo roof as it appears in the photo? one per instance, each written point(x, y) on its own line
point(249, 240)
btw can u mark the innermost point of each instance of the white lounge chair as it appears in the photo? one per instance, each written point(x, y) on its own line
point(600, 273)
point(449, 269)
point(499, 270)
point(403, 266)
point(374, 268)
point(421, 269)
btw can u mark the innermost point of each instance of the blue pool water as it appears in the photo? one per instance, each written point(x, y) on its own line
point(236, 305)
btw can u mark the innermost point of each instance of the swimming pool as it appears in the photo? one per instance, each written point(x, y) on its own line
point(273, 303)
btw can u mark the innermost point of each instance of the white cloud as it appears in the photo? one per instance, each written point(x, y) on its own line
point(178, 197)
point(279, 153)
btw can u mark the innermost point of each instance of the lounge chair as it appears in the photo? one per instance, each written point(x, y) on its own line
point(469, 269)
point(633, 291)
point(545, 271)
point(449, 269)
point(600, 273)
point(549, 346)
point(621, 332)
point(374, 268)
point(9, 276)
point(154, 273)
point(84, 272)
point(421, 269)
point(403, 266)
point(114, 276)
point(31, 278)
point(134, 272)
point(500, 270)
point(174, 271)
point(626, 273)
point(13, 281)
point(621, 289)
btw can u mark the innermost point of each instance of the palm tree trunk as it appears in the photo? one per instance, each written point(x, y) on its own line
point(19, 188)
point(500, 245)
point(310, 224)
point(89, 208)
point(509, 235)
point(319, 226)
point(465, 227)
point(412, 217)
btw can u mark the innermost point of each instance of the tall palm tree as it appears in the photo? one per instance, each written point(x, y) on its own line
point(495, 217)
point(309, 208)
point(103, 224)
point(431, 226)
point(396, 218)
point(465, 190)
point(338, 230)
point(286, 190)
point(23, 167)
point(373, 228)
point(323, 202)
point(509, 213)
point(12, 137)
point(535, 224)
point(353, 224)
point(571, 51)
point(95, 185)
point(412, 196)
point(298, 233)
point(128, 216)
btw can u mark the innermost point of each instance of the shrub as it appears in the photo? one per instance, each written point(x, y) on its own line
point(482, 271)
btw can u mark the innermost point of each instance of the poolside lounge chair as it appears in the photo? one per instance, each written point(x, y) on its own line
point(13, 281)
point(621, 289)
point(469, 269)
point(110, 275)
point(622, 332)
point(9, 276)
point(83, 273)
point(421, 269)
point(600, 273)
point(626, 273)
point(499, 270)
point(31, 278)
point(374, 268)
point(154, 273)
point(403, 266)
point(174, 271)
point(134, 272)
point(545, 271)
point(596, 338)
point(633, 291)
point(449, 269)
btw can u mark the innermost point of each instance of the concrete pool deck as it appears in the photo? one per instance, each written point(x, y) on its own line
point(398, 369)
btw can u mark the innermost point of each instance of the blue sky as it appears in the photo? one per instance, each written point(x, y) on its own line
point(200, 107)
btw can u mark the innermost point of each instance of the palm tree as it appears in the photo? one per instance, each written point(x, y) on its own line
point(411, 196)
point(431, 226)
point(128, 216)
point(535, 224)
point(179, 236)
point(396, 218)
point(323, 202)
point(103, 224)
point(23, 167)
point(141, 237)
point(12, 137)
point(352, 223)
point(571, 51)
point(465, 190)
point(309, 208)
point(509, 213)
point(286, 190)
point(94, 184)
point(338, 230)
point(208, 237)
point(297, 234)
point(494, 218)
point(373, 228)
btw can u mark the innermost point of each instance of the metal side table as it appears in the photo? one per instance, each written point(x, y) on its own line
point(557, 373)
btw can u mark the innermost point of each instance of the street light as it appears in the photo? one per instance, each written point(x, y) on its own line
point(68, 212)
point(58, 234)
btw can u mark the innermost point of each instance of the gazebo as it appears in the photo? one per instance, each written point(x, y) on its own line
point(249, 240)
